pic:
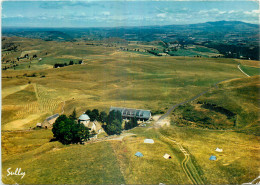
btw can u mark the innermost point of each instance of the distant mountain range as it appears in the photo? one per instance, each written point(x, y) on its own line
point(139, 32)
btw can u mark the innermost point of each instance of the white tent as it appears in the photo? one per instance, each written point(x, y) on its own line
point(149, 141)
point(167, 156)
point(219, 150)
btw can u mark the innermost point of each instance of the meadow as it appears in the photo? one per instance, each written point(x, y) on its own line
point(107, 78)
point(112, 77)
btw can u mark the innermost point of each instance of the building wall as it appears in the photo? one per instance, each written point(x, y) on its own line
point(46, 124)
point(84, 122)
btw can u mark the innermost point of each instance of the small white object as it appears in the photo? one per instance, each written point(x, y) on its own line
point(219, 150)
point(151, 141)
point(167, 156)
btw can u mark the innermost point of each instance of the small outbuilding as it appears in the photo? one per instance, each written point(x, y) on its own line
point(139, 154)
point(219, 150)
point(167, 156)
point(151, 141)
point(213, 158)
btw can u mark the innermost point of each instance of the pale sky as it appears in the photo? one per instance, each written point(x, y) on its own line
point(124, 13)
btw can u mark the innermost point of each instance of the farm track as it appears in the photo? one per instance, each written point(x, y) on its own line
point(238, 66)
point(192, 174)
point(159, 121)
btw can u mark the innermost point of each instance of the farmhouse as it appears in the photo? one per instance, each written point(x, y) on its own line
point(48, 122)
point(127, 113)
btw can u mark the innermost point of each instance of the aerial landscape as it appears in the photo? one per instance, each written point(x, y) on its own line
point(130, 92)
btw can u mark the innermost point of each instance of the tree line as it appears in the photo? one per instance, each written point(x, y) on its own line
point(56, 65)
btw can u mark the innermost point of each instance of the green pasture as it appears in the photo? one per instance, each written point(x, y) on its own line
point(251, 71)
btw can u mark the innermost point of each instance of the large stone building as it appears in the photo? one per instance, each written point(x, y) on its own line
point(128, 113)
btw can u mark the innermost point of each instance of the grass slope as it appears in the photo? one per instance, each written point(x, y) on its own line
point(51, 163)
point(233, 105)
point(236, 165)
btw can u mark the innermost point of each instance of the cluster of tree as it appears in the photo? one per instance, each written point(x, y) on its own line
point(95, 115)
point(30, 75)
point(114, 123)
point(131, 123)
point(9, 46)
point(7, 67)
point(56, 65)
point(60, 65)
point(155, 52)
point(236, 50)
point(67, 130)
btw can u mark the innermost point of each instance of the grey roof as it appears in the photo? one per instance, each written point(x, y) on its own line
point(129, 112)
point(84, 117)
point(52, 117)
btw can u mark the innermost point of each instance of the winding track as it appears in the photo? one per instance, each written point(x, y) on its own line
point(191, 175)
point(238, 66)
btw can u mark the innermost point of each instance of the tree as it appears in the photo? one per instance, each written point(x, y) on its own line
point(88, 112)
point(114, 123)
point(68, 131)
point(71, 62)
point(114, 128)
point(131, 123)
point(114, 115)
point(95, 114)
point(103, 117)
point(73, 116)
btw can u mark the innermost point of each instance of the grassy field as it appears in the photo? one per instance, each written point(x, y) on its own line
point(232, 165)
point(52, 163)
point(111, 77)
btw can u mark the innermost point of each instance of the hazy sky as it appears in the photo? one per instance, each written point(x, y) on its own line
point(124, 13)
